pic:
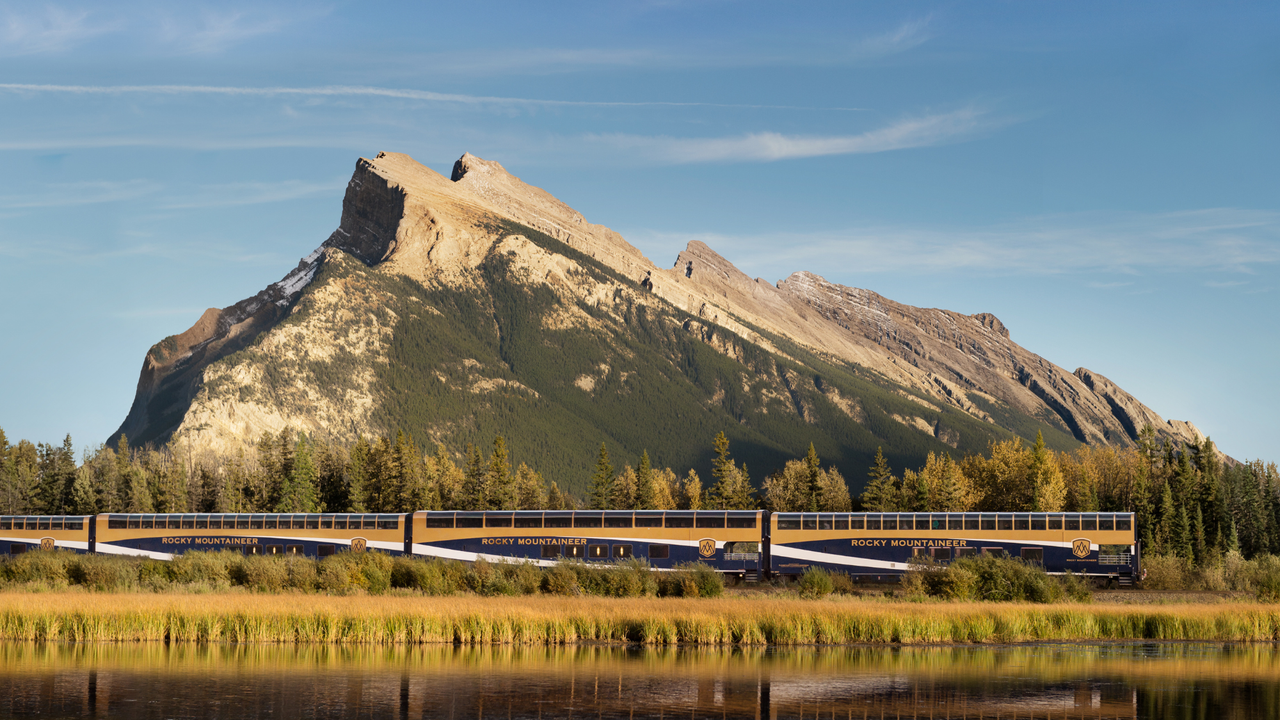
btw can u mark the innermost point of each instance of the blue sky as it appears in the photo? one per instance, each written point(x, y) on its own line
point(1100, 176)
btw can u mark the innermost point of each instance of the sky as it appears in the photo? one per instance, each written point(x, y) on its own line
point(1100, 176)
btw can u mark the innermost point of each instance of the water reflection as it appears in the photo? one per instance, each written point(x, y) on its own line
point(1040, 681)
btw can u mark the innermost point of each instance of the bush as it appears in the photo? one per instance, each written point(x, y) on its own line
point(816, 583)
point(993, 579)
point(1266, 578)
point(333, 575)
point(302, 573)
point(526, 578)
point(691, 580)
point(50, 567)
point(213, 568)
point(842, 583)
point(263, 573)
point(104, 573)
point(1165, 572)
point(560, 580)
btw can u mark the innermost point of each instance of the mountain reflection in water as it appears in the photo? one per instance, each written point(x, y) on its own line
point(1025, 681)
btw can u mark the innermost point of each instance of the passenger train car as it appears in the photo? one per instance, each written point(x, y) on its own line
point(741, 543)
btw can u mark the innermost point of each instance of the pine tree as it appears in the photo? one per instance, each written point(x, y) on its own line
point(1197, 534)
point(815, 475)
point(646, 491)
point(413, 491)
point(1182, 535)
point(623, 494)
point(1233, 539)
point(881, 494)
point(477, 495)
point(83, 499)
point(299, 494)
point(502, 491)
point(555, 499)
point(601, 481)
point(357, 489)
point(531, 489)
point(1166, 541)
point(834, 492)
point(1049, 490)
point(691, 493)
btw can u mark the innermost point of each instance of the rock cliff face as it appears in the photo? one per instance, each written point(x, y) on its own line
point(448, 304)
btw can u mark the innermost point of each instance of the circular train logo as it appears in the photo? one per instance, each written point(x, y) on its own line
point(707, 547)
point(358, 544)
point(1080, 547)
point(46, 543)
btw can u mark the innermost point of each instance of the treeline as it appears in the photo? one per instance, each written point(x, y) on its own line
point(1187, 504)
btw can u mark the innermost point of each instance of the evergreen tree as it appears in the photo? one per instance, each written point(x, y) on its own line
point(556, 499)
point(1182, 535)
point(646, 489)
point(691, 494)
point(358, 473)
point(1166, 540)
point(477, 475)
point(531, 489)
point(834, 492)
point(815, 475)
point(623, 494)
point(601, 481)
point(299, 493)
point(1197, 534)
point(1049, 490)
point(83, 499)
point(1233, 538)
point(502, 491)
point(881, 494)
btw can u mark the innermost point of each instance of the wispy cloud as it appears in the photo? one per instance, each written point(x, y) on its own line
point(1216, 239)
point(215, 30)
point(360, 91)
point(769, 146)
point(80, 193)
point(252, 193)
point(45, 29)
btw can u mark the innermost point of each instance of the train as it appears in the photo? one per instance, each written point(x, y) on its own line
point(745, 545)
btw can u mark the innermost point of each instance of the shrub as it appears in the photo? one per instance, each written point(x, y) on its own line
point(1165, 572)
point(560, 580)
point(213, 568)
point(104, 573)
point(333, 575)
point(154, 575)
point(40, 566)
point(842, 583)
point(302, 573)
point(994, 579)
point(691, 580)
point(526, 578)
point(816, 583)
point(263, 573)
point(1266, 578)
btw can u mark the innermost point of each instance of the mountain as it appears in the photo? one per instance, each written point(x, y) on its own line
point(463, 307)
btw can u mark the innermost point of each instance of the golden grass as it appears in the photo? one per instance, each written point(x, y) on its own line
point(543, 620)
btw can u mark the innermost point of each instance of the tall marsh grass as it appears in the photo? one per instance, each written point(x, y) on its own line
point(561, 620)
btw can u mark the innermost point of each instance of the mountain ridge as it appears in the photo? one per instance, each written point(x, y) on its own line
point(482, 232)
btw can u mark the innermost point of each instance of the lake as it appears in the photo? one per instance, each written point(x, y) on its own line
point(155, 680)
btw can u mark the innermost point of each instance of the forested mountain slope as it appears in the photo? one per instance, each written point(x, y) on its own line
point(462, 308)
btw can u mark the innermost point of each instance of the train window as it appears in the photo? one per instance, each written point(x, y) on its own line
point(324, 550)
point(17, 549)
point(275, 549)
point(6, 523)
point(215, 522)
point(788, 521)
point(1055, 522)
point(659, 552)
point(842, 522)
point(557, 520)
point(370, 522)
point(440, 520)
point(255, 522)
point(550, 551)
point(575, 551)
point(741, 520)
point(1033, 555)
point(135, 522)
point(919, 552)
point(809, 521)
point(988, 522)
point(55, 523)
point(1106, 522)
point(826, 522)
point(965, 552)
point(502, 520)
point(326, 522)
point(202, 522)
point(913, 522)
point(297, 522)
point(1088, 522)
point(955, 522)
point(618, 520)
point(650, 520)
point(1073, 522)
point(243, 522)
point(1123, 523)
point(942, 554)
point(1037, 522)
point(292, 549)
point(188, 522)
point(272, 522)
point(971, 522)
point(1004, 522)
point(114, 522)
point(385, 522)
point(710, 520)
point(1021, 522)
point(588, 520)
point(313, 522)
point(468, 520)
point(75, 524)
point(993, 551)
point(939, 522)
point(873, 522)
point(174, 522)
point(149, 522)
point(528, 520)
point(597, 551)
point(857, 522)
point(339, 522)
point(252, 549)
point(43, 522)
point(678, 520)
point(622, 551)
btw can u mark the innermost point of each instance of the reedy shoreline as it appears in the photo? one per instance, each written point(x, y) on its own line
point(533, 621)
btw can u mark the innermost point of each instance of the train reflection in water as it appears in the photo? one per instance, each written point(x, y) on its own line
point(1196, 682)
